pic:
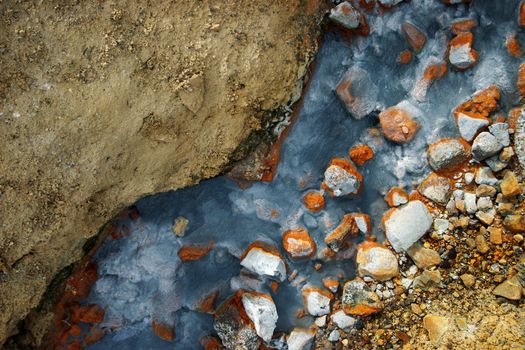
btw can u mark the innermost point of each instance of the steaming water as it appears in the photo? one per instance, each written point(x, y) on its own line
point(141, 276)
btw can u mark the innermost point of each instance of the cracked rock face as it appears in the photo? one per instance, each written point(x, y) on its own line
point(103, 104)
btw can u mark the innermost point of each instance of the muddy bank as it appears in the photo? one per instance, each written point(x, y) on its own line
point(104, 102)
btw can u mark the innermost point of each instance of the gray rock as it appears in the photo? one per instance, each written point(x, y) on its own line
point(485, 145)
point(407, 224)
point(334, 336)
point(346, 15)
point(468, 127)
point(484, 176)
point(501, 132)
point(428, 279)
point(484, 203)
point(495, 163)
point(447, 154)
point(510, 289)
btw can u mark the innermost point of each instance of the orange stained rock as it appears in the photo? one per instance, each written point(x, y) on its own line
point(397, 125)
point(265, 247)
point(193, 253)
point(514, 46)
point(346, 229)
point(521, 79)
point(343, 90)
point(480, 105)
point(349, 168)
point(404, 57)
point(463, 25)
point(361, 309)
point(465, 39)
point(298, 243)
point(435, 71)
point(396, 196)
point(93, 335)
point(514, 114)
point(521, 14)
point(91, 313)
point(331, 283)
point(211, 343)
point(360, 154)
point(324, 292)
point(363, 222)
point(274, 286)
point(414, 36)
point(314, 201)
point(207, 304)
point(163, 331)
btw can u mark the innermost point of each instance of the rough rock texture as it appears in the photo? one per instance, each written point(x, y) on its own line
point(103, 102)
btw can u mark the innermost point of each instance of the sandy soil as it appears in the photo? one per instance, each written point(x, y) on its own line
point(102, 102)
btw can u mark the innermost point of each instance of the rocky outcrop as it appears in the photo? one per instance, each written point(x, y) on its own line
point(103, 103)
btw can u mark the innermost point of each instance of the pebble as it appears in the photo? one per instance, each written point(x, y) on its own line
point(510, 289)
point(485, 145)
point(428, 279)
point(518, 238)
point(376, 261)
point(346, 228)
point(481, 244)
point(486, 217)
point(342, 178)
point(261, 310)
point(401, 236)
point(496, 235)
point(334, 336)
point(179, 226)
point(317, 301)
point(448, 154)
point(470, 203)
point(506, 154)
point(300, 339)
point(485, 191)
point(346, 15)
point(506, 208)
point(414, 36)
point(484, 176)
point(298, 243)
point(510, 186)
point(501, 133)
point(396, 197)
point(436, 327)
point(468, 280)
point(358, 299)
point(469, 177)
point(398, 125)
point(515, 223)
point(423, 257)
point(321, 321)
point(342, 320)
point(436, 188)
point(461, 55)
point(469, 126)
point(484, 203)
point(495, 164)
point(264, 260)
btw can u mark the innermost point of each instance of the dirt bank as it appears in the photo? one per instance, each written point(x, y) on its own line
point(103, 102)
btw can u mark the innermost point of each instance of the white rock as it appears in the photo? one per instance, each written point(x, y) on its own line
point(317, 303)
point(485, 145)
point(340, 181)
point(264, 263)
point(501, 132)
point(468, 127)
point(377, 262)
point(458, 194)
point(334, 336)
point(487, 216)
point(485, 176)
point(263, 313)
point(300, 339)
point(461, 56)
point(407, 224)
point(441, 225)
point(469, 177)
point(320, 321)
point(484, 203)
point(342, 320)
point(406, 282)
point(345, 15)
point(362, 224)
point(412, 270)
point(470, 203)
point(451, 208)
point(447, 154)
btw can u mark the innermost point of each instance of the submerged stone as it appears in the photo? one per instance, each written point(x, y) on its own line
point(398, 125)
point(342, 178)
point(264, 260)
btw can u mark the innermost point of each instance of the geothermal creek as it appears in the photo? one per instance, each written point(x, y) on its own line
point(175, 257)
